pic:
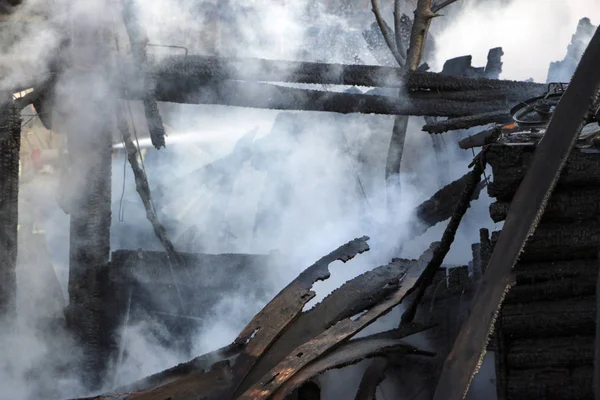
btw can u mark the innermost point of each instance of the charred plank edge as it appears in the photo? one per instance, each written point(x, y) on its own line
point(353, 297)
point(530, 200)
point(331, 338)
point(350, 353)
point(268, 324)
point(465, 122)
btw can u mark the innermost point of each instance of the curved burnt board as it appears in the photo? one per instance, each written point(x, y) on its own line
point(276, 316)
point(355, 296)
point(523, 217)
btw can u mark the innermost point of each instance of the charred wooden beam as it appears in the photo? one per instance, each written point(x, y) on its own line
point(556, 384)
point(204, 68)
point(557, 242)
point(10, 141)
point(270, 96)
point(551, 353)
point(138, 48)
point(441, 205)
point(528, 206)
point(510, 164)
point(564, 206)
point(476, 119)
point(567, 317)
point(89, 132)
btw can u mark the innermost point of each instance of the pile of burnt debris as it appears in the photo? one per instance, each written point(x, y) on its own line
point(532, 283)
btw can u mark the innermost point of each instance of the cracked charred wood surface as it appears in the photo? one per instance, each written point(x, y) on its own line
point(276, 316)
point(557, 242)
point(574, 204)
point(350, 299)
point(529, 202)
point(10, 140)
point(510, 163)
point(270, 96)
point(177, 68)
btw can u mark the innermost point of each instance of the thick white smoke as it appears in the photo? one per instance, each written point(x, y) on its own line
point(321, 176)
point(532, 33)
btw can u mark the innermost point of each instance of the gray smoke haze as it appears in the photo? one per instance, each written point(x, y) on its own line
point(304, 183)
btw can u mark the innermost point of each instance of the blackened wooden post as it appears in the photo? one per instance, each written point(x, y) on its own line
point(10, 140)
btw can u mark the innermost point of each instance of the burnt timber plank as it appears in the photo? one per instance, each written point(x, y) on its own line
point(510, 163)
point(551, 352)
point(568, 317)
point(551, 384)
point(564, 205)
point(559, 242)
point(528, 205)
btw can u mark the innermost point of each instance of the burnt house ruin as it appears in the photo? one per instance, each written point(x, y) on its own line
point(149, 257)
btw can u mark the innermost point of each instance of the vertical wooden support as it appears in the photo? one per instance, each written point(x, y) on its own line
point(10, 140)
point(85, 102)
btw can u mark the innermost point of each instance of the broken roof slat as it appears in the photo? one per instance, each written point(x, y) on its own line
point(525, 212)
point(268, 324)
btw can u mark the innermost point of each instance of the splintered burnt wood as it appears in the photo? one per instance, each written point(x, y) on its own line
point(268, 324)
point(355, 296)
point(350, 353)
point(10, 139)
point(528, 205)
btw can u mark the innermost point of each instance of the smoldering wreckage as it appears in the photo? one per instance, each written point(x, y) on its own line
point(531, 287)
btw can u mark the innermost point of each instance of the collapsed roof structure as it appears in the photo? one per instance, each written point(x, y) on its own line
point(283, 348)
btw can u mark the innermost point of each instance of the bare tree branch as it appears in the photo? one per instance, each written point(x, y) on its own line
point(423, 17)
point(389, 40)
point(443, 4)
point(398, 28)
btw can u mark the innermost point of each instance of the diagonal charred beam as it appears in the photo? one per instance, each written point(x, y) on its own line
point(10, 140)
point(351, 353)
point(527, 207)
point(143, 188)
point(466, 122)
point(461, 206)
point(276, 316)
point(269, 96)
